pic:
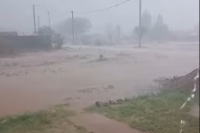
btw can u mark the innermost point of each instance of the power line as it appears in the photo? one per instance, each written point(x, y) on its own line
point(107, 8)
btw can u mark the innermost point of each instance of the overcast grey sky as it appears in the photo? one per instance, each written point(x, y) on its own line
point(17, 14)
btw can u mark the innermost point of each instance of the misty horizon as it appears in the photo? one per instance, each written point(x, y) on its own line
point(18, 15)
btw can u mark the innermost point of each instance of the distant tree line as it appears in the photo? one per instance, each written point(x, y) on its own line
point(153, 31)
point(156, 30)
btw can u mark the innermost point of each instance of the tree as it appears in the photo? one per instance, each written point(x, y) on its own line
point(55, 38)
point(109, 32)
point(45, 31)
point(81, 26)
point(137, 31)
point(160, 30)
point(118, 32)
point(58, 40)
point(146, 24)
point(146, 20)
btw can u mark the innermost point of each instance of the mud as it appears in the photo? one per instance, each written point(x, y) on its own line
point(34, 81)
point(100, 124)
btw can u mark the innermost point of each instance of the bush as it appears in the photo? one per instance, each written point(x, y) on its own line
point(58, 40)
point(6, 49)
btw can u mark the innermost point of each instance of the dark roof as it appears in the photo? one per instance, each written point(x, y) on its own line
point(11, 33)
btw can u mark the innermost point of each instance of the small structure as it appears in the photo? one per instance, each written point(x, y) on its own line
point(8, 33)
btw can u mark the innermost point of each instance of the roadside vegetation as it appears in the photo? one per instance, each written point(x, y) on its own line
point(154, 113)
point(52, 120)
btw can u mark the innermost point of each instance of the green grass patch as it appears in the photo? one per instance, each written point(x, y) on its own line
point(53, 120)
point(154, 113)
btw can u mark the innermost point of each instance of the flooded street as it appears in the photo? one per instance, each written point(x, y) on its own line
point(76, 75)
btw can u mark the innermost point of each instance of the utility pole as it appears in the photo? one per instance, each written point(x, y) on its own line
point(73, 25)
point(49, 19)
point(34, 19)
point(140, 22)
point(38, 23)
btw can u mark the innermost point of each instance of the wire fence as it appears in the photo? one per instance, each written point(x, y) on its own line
point(192, 96)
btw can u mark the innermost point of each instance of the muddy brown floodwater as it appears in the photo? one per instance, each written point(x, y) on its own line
point(100, 124)
point(77, 76)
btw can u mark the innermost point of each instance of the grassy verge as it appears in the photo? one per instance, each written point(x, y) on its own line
point(49, 121)
point(154, 113)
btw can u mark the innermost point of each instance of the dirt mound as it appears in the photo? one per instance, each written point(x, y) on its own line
point(184, 83)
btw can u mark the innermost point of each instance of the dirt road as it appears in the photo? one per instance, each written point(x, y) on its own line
point(76, 75)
